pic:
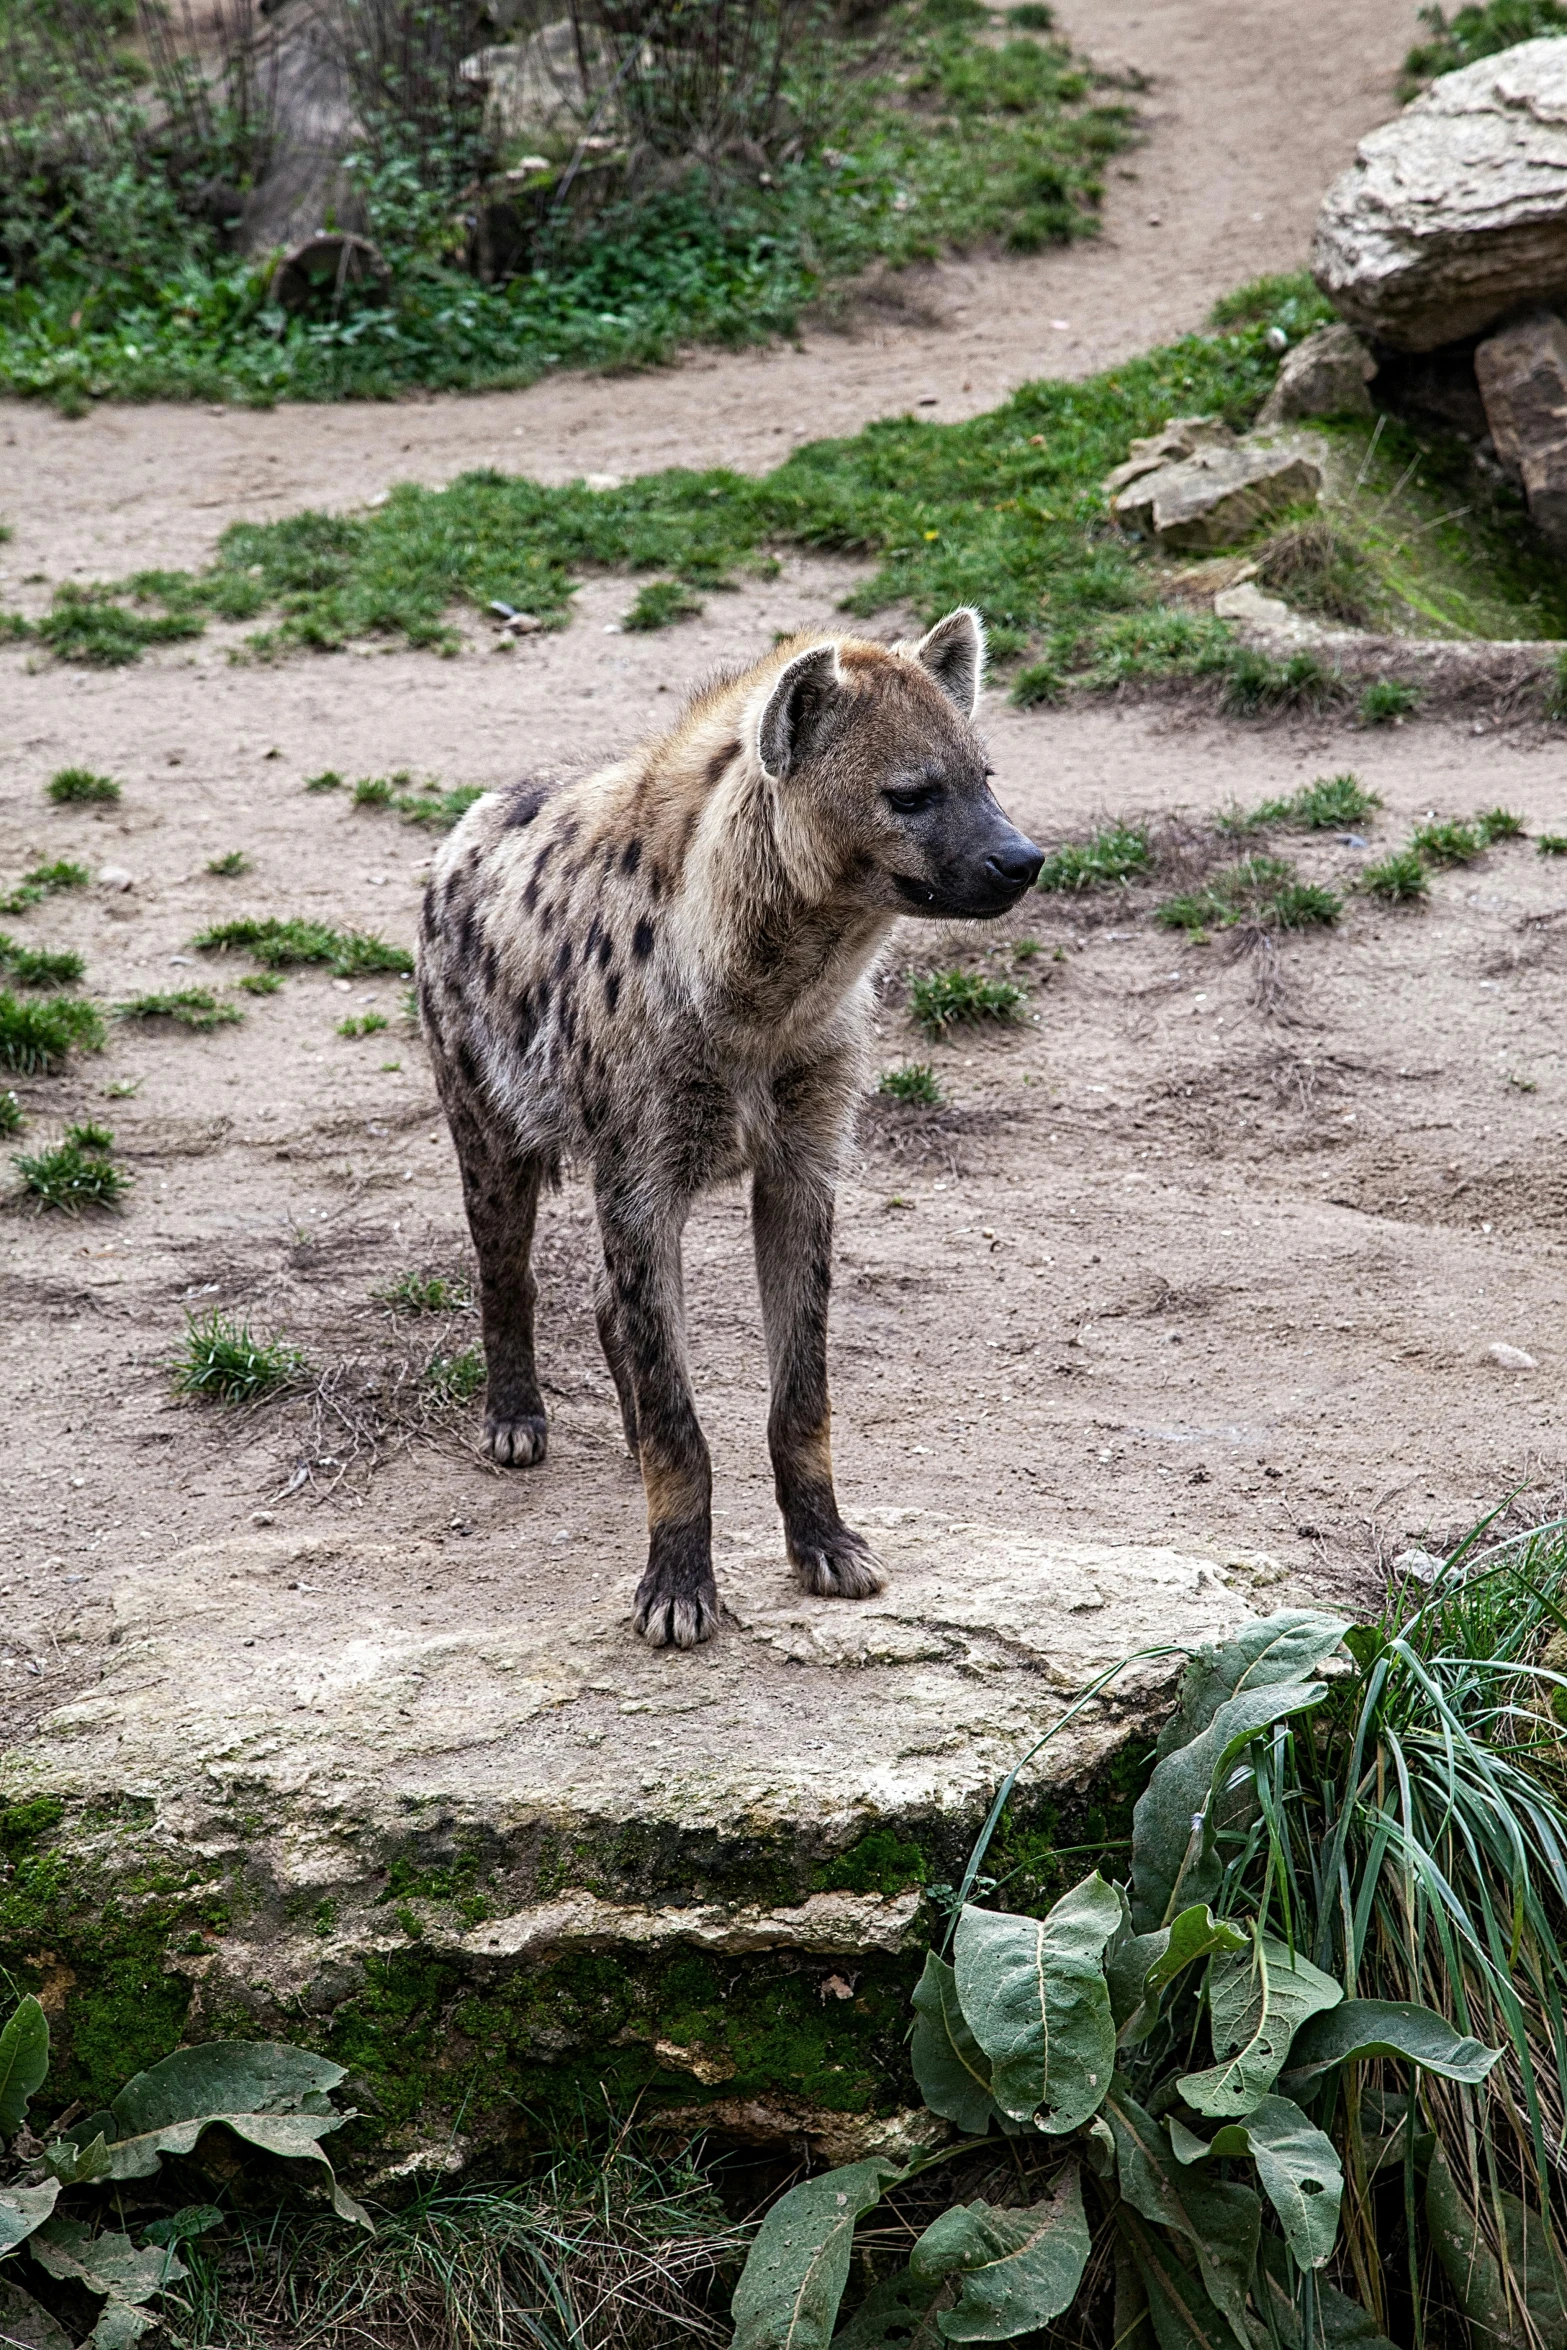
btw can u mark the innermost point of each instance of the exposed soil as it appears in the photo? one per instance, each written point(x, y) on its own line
point(1208, 1248)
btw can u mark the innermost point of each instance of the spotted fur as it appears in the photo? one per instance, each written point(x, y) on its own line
point(662, 973)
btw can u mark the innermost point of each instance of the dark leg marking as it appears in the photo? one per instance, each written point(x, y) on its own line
point(501, 1193)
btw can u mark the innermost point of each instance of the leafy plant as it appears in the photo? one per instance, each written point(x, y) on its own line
point(1311, 2040)
point(914, 1084)
point(427, 1293)
point(41, 1036)
point(1264, 891)
point(39, 966)
point(1388, 698)
point(1400, 878)
point(79, 785)
point(196, 1008)
point(279, 943)
point(456, 1378)
point(76, 1174)
point(1119, 853)
point(940, 1000)
point(222, 1362)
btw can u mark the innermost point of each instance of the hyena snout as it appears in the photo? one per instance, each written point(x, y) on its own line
point(987, 873)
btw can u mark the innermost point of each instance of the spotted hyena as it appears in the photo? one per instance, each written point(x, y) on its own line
point(663, 974)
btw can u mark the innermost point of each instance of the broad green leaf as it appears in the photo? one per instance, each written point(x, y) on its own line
point(1221, 2222)
point(795, 2271)
point(1019, 2269)
point(1035, 1997)
point(119, 2325)
point(1300, 2171)
point(1290, 1646)
point(26, 2323)
point(1182, 2314)
point(1496, 2323)
point(24, 2060)
point(1341, 2323)
point(1389, 2027)
point(1185, 2145)
point(951, 2068)
point(1141, 1968)
point(223, 2077)
point(1173, 1854)
point(1132, 2327)
point(1257, 2001)
point(22, 2209)
point(193, 2219)
point(77, 2166)
point(105, 2263)
point(902, 2314)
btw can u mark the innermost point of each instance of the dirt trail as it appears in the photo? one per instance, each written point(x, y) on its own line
point(1253, 105)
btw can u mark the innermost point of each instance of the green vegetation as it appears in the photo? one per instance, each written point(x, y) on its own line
point(438, 810)
point(1473, 32)
point(427, 1293)
point(940, 1000)
point(1119, 853)
point(1332, 1966)
point(1448, 842)
point(327, 780)
point(364, 1024)
point(1552, 844)
point(1400, 878)
point(222, 1362)
point(456, 1378)
point(196, 1008)
point(74, 785)
point(39, 966)
point(1264, 892)
point(12, 1119)
point(1255, 684)
point(1494, 824)
point(42, 882)
point(660, 602)
point(78, 1173)
point(260, 983)
point(915, 1084)
point(41, 1036)
point(278, 943)
point(232, 862)
point(1334, 803)
point(1386, 699)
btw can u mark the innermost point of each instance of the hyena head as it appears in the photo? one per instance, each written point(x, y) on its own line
point(882, 786)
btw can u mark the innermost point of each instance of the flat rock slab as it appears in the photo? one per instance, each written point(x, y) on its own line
point(1217, 496)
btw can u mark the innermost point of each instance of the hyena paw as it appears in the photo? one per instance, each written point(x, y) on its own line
point(670, 1616)
point(837, 1566)
point(519, 1443)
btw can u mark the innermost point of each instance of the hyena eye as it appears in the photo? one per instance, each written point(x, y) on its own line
point(913, 799)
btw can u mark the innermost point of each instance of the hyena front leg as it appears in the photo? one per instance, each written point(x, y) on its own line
point(792, 1218)
point(607, 1315)
point(677, 1599)
point(501, 1193)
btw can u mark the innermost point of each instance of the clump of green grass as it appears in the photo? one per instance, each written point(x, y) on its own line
point(1399, 879)
point(327, 780)
point(1386, 699)
point(1319, 567)
point(88, 625)
point(221, 1361)
point(41, 1036)
point(456, 1378)
point(1448, 842)
point(1255, 683)
point(1262, 891)
point(277, 943)
point(1118, 854)
point(260, 982)
point(76, 1174)
point(914, 1084)
point(40, 967)
point(73, 786)
point(233, 861)
point(438, 810)
point(1499, 824)
point(1476, 31)
point(363, 1024)
point(1552, 844)
point(427, 1293)
point(661, 602)
point(196, 1008)
point(42, 882)
point(1334, 803)
point(941, 1000)
point(12, 1119)
point(377, 791)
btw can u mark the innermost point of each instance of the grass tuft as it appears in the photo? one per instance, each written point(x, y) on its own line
point(12, 1119)
point(1499, 824)
point(232, 862)
point(1261, 891)
point(76, 1174)
point(1386, 699)
point(1320, 568)
point(86, 624)
point(661, 602)
point(42, 882)
point(914, 1084)
point(456, 1378)
point(1400, 880)
point(196, 1008)
point(1334, 803)
point(327, 780)
point(222, 1362)
point(1255, 684)
point(363, 1024)
point(1448, 842)
point(427, 1293)
point(941, 1000)
point(1119, 853)
point(40, 967)
point(40, 1036)
point(260, 983)
point(279, 943)
point(438, 810)
point(1552, 844)
point(70, 786)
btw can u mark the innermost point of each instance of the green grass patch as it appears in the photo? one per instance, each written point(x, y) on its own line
point(43, 882)
point(196, 1008)
point(940, 1000)
point(660, 603)
point(91, 625)
point(1448, 842)
point(427, 1293)
point(1495, 824)
point(1473, 32)
point(363, 1024)
point(456, 1378)
point(281, 942)
point(1256, 685)
point(1262, 891)
point(76, 1174)
point(915, 1084)
point(1386, 699)
point(1333, 803)
point(327, 780)
point(39, 967)
point(1118, 854)
point(430, 806)
point(222, 1361)
point(12, 1118)
point(1552, 844)
point(42, 1036)
point(261, 983)
point(71, 786)
point(232, 862)
point(1400, 880)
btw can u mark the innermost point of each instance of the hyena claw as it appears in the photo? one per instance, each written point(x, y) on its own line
point(517, 1444)
point(668, 1622)
point(843, 1566)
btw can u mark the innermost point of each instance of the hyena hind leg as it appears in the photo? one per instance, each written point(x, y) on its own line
point(501, 1193)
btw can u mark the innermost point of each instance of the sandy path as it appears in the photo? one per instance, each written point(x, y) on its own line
point(1254, 104)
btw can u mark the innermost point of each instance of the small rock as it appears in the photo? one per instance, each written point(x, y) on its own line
point(1182, 437)
point(115, 877)
point(1420, 1566)
point(1326, 375)
point(1512, 1358)
point(1522, 374)
point(1217, 496)
point(1246, 601)
point(601, 481)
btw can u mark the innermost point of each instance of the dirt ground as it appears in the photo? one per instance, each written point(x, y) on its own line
point(1201, 1250)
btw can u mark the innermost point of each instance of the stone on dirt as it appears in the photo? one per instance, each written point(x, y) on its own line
point(1326, 375)
point(1182, 437)
point(1217, 496)
point(1512, 1358)
point(1522, 373)
point(1454, 214)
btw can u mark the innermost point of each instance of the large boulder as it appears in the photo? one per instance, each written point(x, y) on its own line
point(1523, 381)
point(1217, 496)
point(1455, 214)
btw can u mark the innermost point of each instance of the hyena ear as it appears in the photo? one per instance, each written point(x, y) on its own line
point(796, 707)
point(954, 653)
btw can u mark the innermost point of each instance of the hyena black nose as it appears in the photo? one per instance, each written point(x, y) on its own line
point(1015, 862)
